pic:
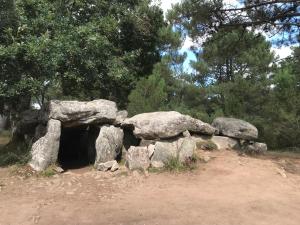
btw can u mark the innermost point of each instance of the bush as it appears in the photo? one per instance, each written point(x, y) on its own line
point(15, 153)
point(174, 164)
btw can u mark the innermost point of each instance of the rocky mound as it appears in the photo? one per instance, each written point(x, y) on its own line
point(159, 136)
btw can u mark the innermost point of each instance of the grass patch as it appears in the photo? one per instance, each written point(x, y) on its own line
point(174, 164)
point(206, 145)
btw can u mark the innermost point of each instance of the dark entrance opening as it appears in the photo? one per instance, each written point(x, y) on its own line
point(77, 147)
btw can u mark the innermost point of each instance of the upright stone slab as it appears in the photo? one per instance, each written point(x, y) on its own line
point(137, 158)
point(45, 150)
point(75, 113)
point(164, 151)
point(235, 128)
point(186, 149)
point(108, 144)
point(160, 125)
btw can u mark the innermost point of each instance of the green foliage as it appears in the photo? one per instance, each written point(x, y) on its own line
point(85, 49)
point(49, 172)
point(148, 96)
point(231, 54)
point(15, 153)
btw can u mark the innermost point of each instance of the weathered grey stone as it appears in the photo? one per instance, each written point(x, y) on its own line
point(113, 165)
point(151, 149)
point(255, 148)
point(121, 116)
point(157, 164)
point(45, 150)
point(186, 133)
point(235, 128)
point(164, 151)
point(225, 142)
point(146, 142)
point(137, 158)
point(158, 125)
point(108, 144)
point(74, 113)
point(186, 149)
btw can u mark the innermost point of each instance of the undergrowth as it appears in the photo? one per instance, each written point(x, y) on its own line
point(14, 153)
point(175, 165)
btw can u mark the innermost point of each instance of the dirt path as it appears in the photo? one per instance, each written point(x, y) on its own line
point(229, 190)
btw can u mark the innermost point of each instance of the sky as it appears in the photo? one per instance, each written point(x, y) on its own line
point(281, 52)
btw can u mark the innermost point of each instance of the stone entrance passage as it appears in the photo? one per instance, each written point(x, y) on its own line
point(77, 146)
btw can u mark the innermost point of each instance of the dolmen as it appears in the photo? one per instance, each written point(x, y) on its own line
point(144, 140)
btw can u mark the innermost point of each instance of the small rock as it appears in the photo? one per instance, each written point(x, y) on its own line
point(114, 167)
point(107, 165)
point(281, 172)
point(206, 158)
point(58, 169)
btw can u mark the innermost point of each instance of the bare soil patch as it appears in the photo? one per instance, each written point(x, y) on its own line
point(228, 190)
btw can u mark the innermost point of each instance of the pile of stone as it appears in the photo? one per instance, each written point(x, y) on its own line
point(155, 138)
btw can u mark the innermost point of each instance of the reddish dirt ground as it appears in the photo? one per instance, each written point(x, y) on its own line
point(228, 190)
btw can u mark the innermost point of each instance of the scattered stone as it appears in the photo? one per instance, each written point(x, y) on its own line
point(114, 167)
point(255, 148)
point(206, 158)
point(281, 172)
point(158, 125)
point(45, 150)
point(235, 128)
point(58, 169)
point(137, 158)
point(108, 165)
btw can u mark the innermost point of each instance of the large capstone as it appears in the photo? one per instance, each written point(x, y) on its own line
point(108, 144)
point(157, 125)
point(75, 113)
point(45, 150)
point(235, 128)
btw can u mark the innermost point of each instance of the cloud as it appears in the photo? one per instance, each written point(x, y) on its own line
point(283, 51)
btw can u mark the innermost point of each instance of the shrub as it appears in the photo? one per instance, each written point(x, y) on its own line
point(174, 164)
